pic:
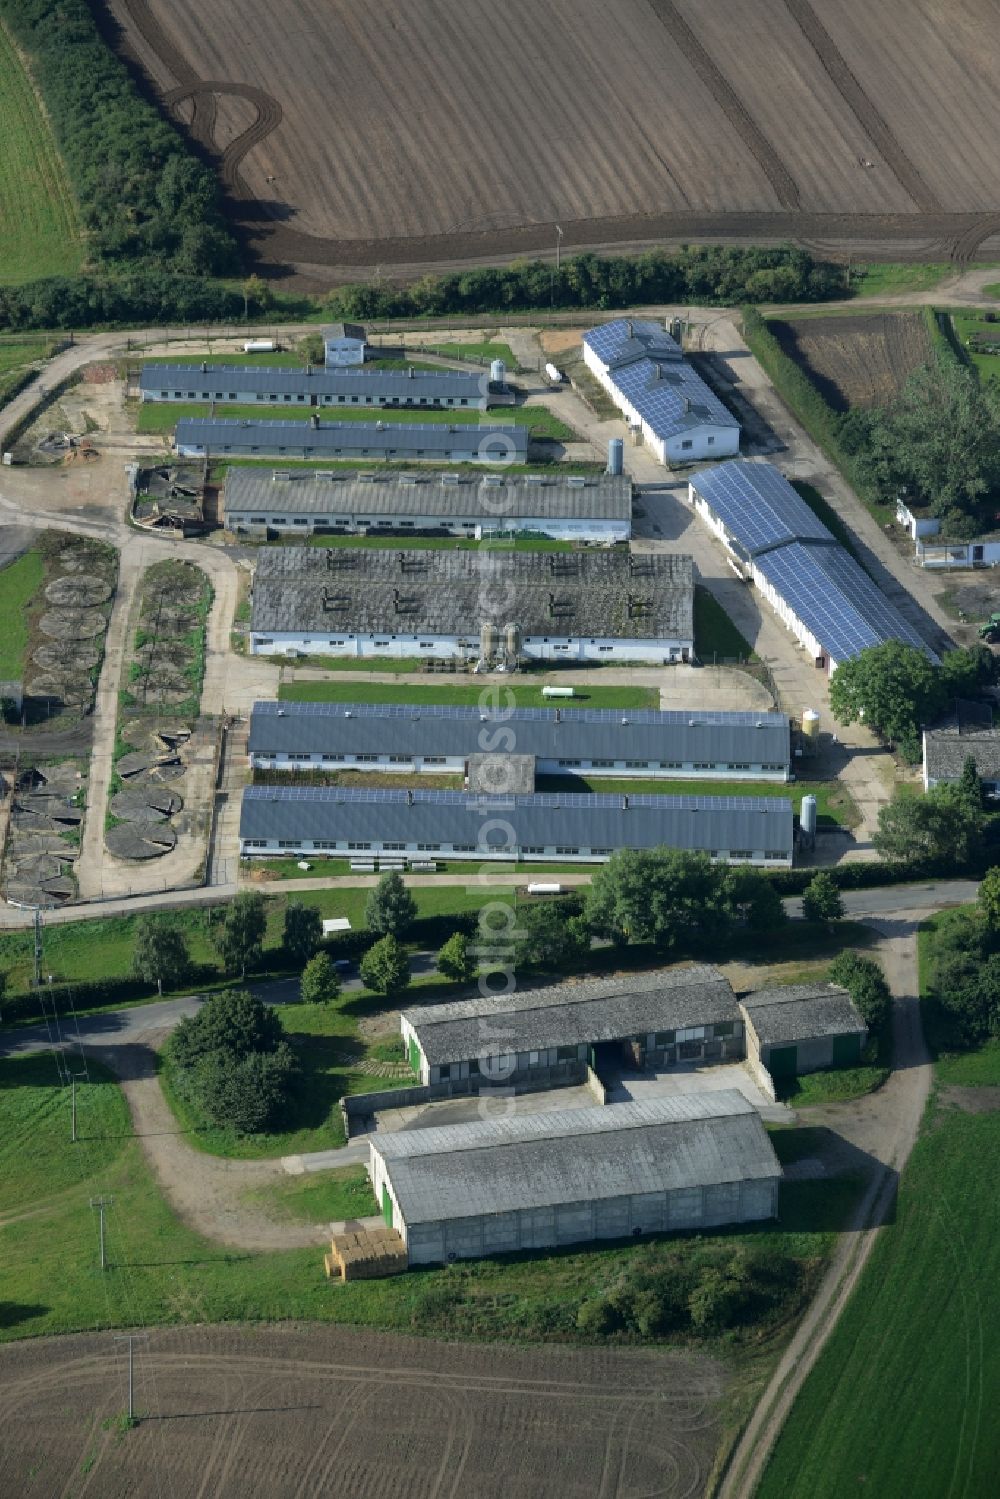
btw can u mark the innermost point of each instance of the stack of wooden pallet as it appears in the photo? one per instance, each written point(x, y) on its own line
point(366, 1254)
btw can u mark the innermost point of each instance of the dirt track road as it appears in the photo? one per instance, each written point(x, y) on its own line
point(883, 1125)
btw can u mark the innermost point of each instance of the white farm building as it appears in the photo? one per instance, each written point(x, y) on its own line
point(473, 604)
point(217, 437)
point(644, 371)
point(280, 388)
point(540, 1181)
point(594, 508)
point(816, 588)
point(344, 344)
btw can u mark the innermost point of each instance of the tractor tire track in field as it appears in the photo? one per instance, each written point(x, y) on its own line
point(963, 249)
point(729, 102)
point(201, 126)
point(850, 90)
point(269, 116)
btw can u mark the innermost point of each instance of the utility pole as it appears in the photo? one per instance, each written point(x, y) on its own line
point(131, 1338)
point(74, 1078)
point(38, 947)
point(100, 1203)
point(559, 235)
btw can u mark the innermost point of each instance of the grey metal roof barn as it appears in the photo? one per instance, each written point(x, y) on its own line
point(546, 733)
point(800, 1012)
point(576, 1155)
point(491, 499)
point(316, 439)
point(300, 815)
point(224, 382)
point(966, 730)
point(361, 590)
point(589, 1011)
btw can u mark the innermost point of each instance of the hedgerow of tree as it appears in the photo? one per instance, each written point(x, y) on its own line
point(143, 198)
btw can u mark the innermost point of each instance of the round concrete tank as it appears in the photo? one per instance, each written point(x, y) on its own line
point(616, 456)
point(498, 372)
point(487, 640)
point(810, 723)
point(512, 640)
point(807, 817)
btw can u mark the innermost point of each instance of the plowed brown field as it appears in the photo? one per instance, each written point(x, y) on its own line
point(409, 133)
point(857, 361)
point(290, 1412)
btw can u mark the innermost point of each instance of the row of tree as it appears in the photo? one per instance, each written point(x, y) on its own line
point(723, 275)
point(143, 197)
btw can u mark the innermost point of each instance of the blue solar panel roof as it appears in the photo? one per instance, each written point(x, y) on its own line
point(835, 599)
point(758, 507)
point(625, 339)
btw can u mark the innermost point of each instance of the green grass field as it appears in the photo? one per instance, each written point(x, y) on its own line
point(39, 225)
point(19, 581)
point(966, 324)
point(714, 632)
point(157, 416)
point(320, 1196)
point(893, 280)
point(825, 512)
point(161, 1272)
point(442, 691)
point(17, 355)
point(488, 350)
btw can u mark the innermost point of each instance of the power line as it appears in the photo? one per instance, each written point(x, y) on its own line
point(131, 1338)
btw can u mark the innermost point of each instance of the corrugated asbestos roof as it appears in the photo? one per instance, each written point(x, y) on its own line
point(695, 736)
point(800, 1012)
point(572, 820)
point(491, 499)
point(946, 751)
point(576, 1155)
point(586, 1012)
point(222, 434)
point(219, 381)
point(758, 507)
point(608, 594)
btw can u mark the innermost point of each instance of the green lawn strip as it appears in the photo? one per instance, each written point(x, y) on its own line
point(714, 632)
point(219, 467)
point(835, 806)
point(878, 280)
point(40, 231)
point(902, 1399)
point(163, 416)
point(320, 1196)
point(18, 356)
point(838, 1084)
point(288, 869)
point(19, 582)
point(36, 1154)
point(992, 290)
point(442, 691)
point(437, 543)
point(161, 1272)
point(489, 351)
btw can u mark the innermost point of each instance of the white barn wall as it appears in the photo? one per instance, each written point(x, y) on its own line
point(452, 764)
point(534, 647)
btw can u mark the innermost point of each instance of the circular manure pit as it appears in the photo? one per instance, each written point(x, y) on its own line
point(76, 657)
point(137, 841)
point(72, 624)
point(78, 591)
point(145, 804)
point(59, 687)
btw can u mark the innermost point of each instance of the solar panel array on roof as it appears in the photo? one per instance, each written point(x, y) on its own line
point(666, 400)
point(758, 507)
point(625, 339)
point(352, 439)
point(835, 599)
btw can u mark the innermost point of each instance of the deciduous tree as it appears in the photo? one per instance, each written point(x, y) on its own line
point(821, 899)
point(239, 937)
point(455, 960)
point(320, 981)
point(303, 931)
point(941, 827)
point(160, 955)
point(894, 688)
point(385, 967)
point(390, 908)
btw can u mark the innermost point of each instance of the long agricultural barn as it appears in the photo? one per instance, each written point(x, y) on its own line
point(644, 371)
point(426, 739)
point(800, 1028)
point(816, 588)
point(546, 1037)
point(573, 827)
point(252, 384)
point(596, 507)
point(209, 436)
point(539, 1181)
point(537, 606)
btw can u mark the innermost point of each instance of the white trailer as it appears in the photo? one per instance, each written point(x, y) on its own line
point(260, 346)
point(558, 692)
point(553, 374)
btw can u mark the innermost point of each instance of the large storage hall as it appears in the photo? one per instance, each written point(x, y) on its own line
point(539, 1181)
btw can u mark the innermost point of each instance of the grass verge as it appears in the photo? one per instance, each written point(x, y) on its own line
point(156, 416)
point(442, 691)
point(19, 582)
point(319, 1196)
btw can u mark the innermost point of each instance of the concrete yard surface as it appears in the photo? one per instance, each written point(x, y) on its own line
point(692, 1078)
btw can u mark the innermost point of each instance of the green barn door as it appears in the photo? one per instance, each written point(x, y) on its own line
point(387, 1207)
point(783, 1061)
point(415, 1057)
point(846, 1051)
